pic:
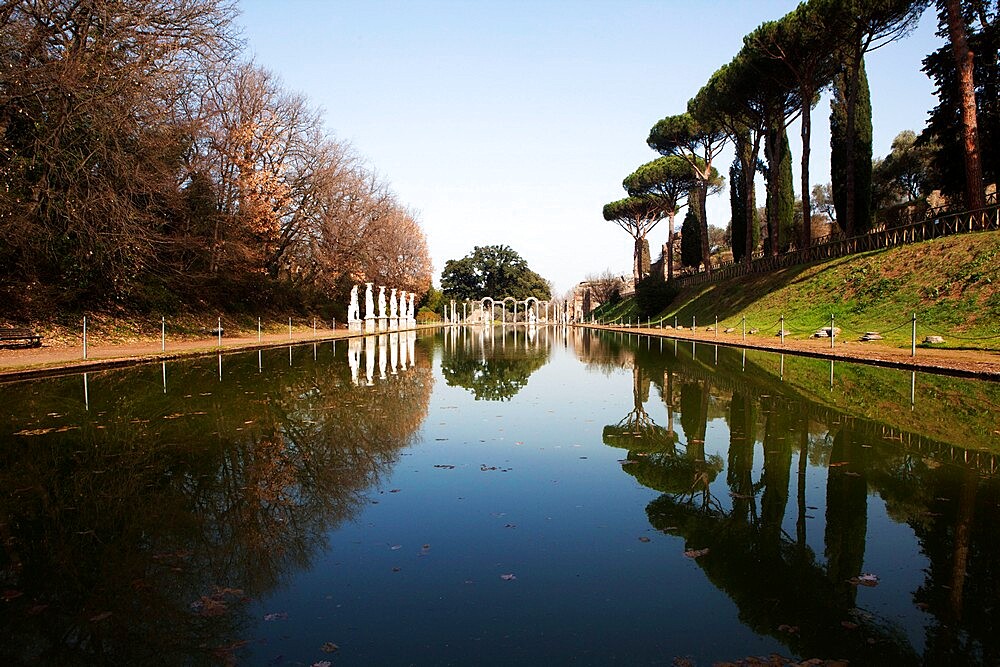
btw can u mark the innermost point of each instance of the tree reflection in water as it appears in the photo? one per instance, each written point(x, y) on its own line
point(494, 363)
point(780, 585)
point(135, 533)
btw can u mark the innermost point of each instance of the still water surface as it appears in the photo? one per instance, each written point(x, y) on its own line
point(499, 497)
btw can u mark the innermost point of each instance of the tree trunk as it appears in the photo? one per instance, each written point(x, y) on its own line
point(637, 262)
point(975, 199)
point(706, 253)
point(807, 95)
point(670, 245)
point(774, 148)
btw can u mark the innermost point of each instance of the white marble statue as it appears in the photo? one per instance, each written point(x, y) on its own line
point(369, 302)
point(352, 309)
point(409, 310)
point(393, 308)
point(381, 301)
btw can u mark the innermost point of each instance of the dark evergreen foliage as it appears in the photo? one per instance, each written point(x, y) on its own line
point(862, 153)
point(691, 239)
point(653, 295)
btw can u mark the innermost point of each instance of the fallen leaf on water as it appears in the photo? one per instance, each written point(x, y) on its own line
point(9, 595)
point(321, 663)
point(208, 606)
point(37, 431)
point(696, 553)
point(329, 647)
point(100, 617)
point(393, 490)
point(225, 653)
point(508, 577)
point(838, 463)
point(276, 616)
point(644, 539)
point(849, 625)
point(396, 547)
point(790, 629)
point(866, 579)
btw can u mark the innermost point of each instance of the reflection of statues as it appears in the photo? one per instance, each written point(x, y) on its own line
point(393, 352)
point(382, 345)
point(352, 309)
point(381, 301)
point(393, 309)
point(370, 360)
point(369, 302)
point(354, 357)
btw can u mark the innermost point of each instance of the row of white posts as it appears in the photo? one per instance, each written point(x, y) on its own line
point(217, 331)
point(781, 331)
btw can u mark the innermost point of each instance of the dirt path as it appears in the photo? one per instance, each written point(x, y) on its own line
point(969, 363)
point(56, 358)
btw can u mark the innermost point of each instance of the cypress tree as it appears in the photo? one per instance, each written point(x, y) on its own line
point(691, 239)
point(784, 208)
point(737, 202)
point(861, 210)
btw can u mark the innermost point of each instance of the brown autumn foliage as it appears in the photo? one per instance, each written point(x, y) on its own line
point(145, 165)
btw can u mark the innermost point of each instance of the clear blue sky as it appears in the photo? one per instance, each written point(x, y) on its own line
point(514, 122)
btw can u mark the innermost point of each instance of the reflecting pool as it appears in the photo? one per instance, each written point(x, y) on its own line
point(499, 496)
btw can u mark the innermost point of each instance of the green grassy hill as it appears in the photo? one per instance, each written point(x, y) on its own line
point(950, 283)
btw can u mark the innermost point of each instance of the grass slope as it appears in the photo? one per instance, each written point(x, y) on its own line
point(950, 283)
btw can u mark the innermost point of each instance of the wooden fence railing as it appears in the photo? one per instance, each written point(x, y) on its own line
point(934, 227)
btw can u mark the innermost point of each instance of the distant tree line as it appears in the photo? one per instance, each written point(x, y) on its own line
point(146, 163)
point(776, 78)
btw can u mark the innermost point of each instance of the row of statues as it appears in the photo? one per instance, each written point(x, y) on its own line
point(401, 308)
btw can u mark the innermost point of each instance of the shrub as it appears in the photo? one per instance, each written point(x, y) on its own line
point(653, 295)
point(425, 315)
